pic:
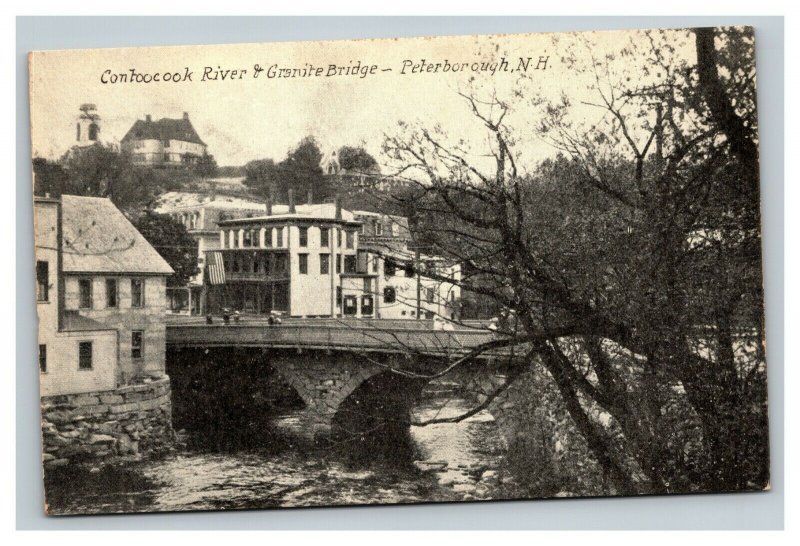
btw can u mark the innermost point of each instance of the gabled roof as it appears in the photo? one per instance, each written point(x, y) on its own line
point(163, 129)
point(97, 238)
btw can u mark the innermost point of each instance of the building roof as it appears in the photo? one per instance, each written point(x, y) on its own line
point(163, 129)
point(316, 212)
point(97, 238)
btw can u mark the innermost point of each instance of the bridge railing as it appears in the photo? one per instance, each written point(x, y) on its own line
point(334, 337)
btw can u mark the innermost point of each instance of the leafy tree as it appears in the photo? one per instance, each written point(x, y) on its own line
point(103, 171)
point(172, 241)
point(262, 177)
point(49, 177)
point(205, 166)
point(631, 262)
point(302, 172)
point(357, 160)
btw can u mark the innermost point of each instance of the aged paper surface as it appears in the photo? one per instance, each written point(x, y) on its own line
point(399, 270)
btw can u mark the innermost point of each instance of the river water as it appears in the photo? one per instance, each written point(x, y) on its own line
point(445, 462)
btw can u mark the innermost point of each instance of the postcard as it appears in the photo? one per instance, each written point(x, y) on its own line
point(388, 271)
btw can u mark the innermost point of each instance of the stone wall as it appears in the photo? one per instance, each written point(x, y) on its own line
point(98, 427)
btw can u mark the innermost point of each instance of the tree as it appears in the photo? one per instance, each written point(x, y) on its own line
point(172, 241)
point(261, 176)
point(631, 261)
point(301, 171)
point(103, 171)
point(49, 177)
point(357, 160)
point(205, 166)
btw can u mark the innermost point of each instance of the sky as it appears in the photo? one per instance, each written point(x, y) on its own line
point(249, 118)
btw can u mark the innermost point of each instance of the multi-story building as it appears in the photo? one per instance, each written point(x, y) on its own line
point(163, 143)
point(201, 214)
point(411, 281)
point(309, 260)
point(100, 297)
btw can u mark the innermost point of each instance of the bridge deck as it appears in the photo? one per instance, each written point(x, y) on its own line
point(375, 336)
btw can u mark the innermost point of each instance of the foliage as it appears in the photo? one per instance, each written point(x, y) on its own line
point(632, 260)
point(357, 160)
point(172, 241)
point(262, 177)
point(104, 171)
point(50, 178)
point(205, 166)
point(301, 171)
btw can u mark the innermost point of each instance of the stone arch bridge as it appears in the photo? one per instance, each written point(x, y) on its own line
point(349, 376)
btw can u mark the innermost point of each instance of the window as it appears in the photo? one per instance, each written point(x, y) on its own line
point(166, 157)
point(378, 229)
point(166, 144)
point(42, 282)
point(137, 344)
point(43, 358)
point(338, 296)
point(389, 268)
point(350, 305)
point(303, 263)
point(248, 238)
point(338, 263)
point(85, 355)
point(85, 293)
point(409, 269)
point(111, 292)
point(324, 264)
point(339, 236)
point(303, 236)
point(389, 294)
point(366, 305)
point(324, 236)
point(430, 295)
point(374, 261)
point(137, 291)
point(349, 264)
point(350, 237)
point(280, 237)
point(93, 130)
point(280, 264)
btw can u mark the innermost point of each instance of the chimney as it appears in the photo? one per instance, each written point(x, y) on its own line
point(310, 197)
point(338, 204)
point(291, 201)
point(268, 205)
point(186, 115)
point(148, 118)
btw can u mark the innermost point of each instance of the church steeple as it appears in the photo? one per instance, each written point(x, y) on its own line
point(330, 163)
point(87, 129)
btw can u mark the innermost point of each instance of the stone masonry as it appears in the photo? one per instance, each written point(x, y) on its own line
point(126, 423)
point(323, 382)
